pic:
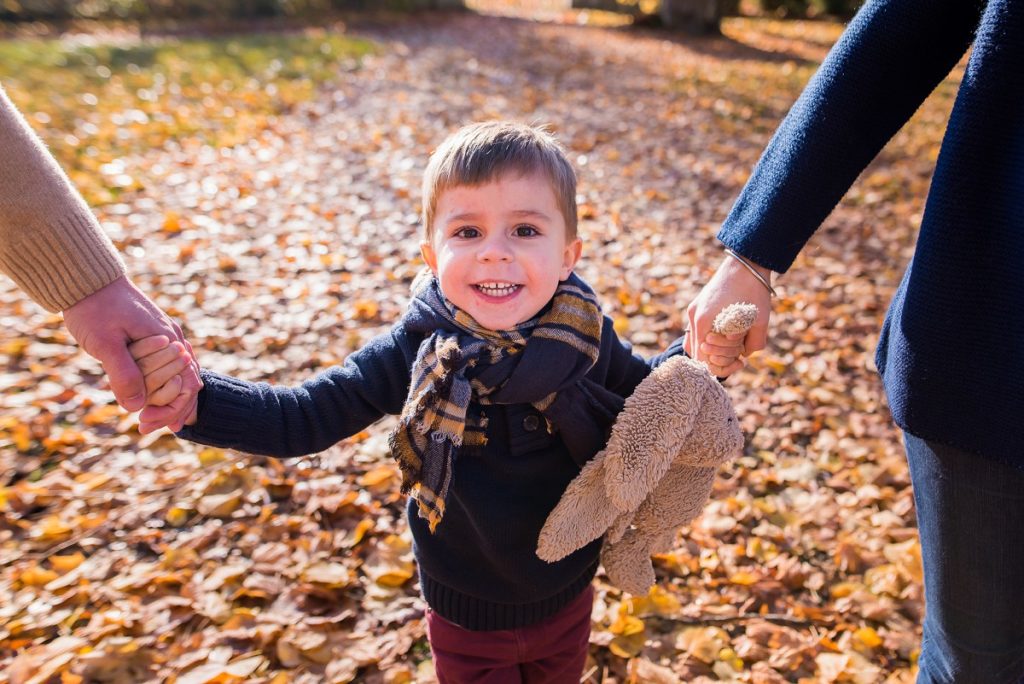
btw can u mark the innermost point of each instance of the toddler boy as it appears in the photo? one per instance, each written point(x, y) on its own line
point(507, 379)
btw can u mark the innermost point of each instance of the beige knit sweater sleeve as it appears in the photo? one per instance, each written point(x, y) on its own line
point(50, 243)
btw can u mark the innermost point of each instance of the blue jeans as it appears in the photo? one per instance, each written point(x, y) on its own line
point(970, 513)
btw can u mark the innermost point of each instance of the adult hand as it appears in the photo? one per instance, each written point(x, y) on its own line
point(105, 322)
point(731, 283)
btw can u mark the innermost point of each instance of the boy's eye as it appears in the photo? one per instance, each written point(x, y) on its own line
point(526, 230)
point(467, 232)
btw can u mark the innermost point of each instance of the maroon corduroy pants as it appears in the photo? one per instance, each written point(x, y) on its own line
point(552, 651)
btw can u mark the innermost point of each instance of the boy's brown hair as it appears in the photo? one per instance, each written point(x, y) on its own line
point(481, 152)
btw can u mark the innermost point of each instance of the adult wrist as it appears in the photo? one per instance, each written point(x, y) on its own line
point(760, 273)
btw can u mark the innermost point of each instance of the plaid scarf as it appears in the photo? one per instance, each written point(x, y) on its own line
point(541, 362)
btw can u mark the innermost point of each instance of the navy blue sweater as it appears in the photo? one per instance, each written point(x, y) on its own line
point(950, 347)
point(480, 568)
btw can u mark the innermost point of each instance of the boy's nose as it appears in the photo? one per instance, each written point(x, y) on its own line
point(494, 250)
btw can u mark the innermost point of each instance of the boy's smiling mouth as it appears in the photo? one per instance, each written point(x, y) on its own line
point(497, 290)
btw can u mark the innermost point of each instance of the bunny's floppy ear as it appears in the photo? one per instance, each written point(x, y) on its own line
point(581, 516)
point(651, 431)
point(655, 424)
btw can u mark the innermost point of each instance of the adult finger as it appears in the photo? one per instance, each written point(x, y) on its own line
point(126, 380)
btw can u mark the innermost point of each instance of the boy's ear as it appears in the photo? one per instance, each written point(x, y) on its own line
point(572, 253)
point(429, 255)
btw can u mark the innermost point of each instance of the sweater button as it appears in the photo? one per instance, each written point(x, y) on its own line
point(531, 422)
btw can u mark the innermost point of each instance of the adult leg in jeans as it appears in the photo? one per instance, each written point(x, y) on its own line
point(970, 513)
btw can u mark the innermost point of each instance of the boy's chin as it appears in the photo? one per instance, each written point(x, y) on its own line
point(498, 325)
point(501, 323)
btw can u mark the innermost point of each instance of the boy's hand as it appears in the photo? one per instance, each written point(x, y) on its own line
point(724, 353)
point(162, 362)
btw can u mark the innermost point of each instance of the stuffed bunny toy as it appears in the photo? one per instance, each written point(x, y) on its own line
point(656, 473)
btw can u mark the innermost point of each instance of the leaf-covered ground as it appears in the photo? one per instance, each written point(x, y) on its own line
point(264, 190)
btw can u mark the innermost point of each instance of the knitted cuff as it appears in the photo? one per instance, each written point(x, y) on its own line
point(225, 409)
point(60, 265)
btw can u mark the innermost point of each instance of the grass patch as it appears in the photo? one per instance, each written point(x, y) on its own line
point(95, 103)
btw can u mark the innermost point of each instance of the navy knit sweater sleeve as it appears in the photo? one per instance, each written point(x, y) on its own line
point(621, 369)
point(260, 418)
point(892, 55)
point(963, 288)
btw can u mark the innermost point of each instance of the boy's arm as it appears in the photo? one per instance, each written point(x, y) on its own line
point(624, 369)
point(293, 421)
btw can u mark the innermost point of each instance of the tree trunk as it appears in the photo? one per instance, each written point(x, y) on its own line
point(700, 17)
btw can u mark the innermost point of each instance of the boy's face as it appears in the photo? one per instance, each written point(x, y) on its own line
point(500, 249)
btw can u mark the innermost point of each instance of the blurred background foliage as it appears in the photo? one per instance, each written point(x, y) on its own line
point(780, 8)
point(57, 10)
point(96, 102)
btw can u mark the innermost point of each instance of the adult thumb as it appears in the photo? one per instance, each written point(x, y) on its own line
point(126, 380)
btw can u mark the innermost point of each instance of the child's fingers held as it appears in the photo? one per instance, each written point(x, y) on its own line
point(147, 345)
point(724, 371)
point(184, 410)
point(722, 361)
point(169, 354)
point(729, 340)
point(733, 350)
point(162, 375)
point(166, 394)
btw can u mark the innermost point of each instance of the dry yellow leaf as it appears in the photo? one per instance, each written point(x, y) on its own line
point(658, 601)
point(22, 438)
point(36, 576)
point(365, 525)
point(333, 575)
point(210, 456)
point(243, 667)
point(63, 564)
point(395, 577)
point(219, 505)
point(51, 527)
point(703, 643)
point(93, 480)
point(906, 556)
point(172, 222)
point(178, 515)
point(102, 414)
point(868, 637)
point(379, 478)
point(365, 310)
point(627, 646)
point(844, 589)
point(626, 625)
point(223, 574)
point(744, 578)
